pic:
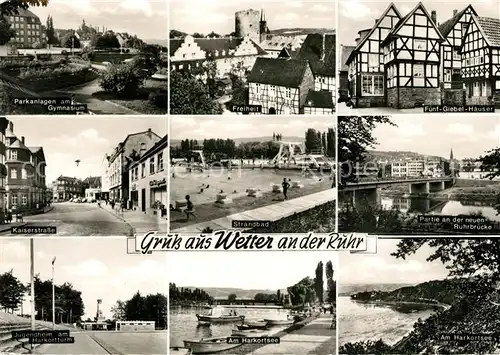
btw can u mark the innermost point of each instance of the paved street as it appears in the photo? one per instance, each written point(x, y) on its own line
point(79, 219)
point(116, 343)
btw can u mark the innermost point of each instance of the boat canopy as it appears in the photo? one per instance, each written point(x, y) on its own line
point(217, 311)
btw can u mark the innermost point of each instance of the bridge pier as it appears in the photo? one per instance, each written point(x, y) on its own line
point(419, 188)
point(355, 198)
point(436, 186)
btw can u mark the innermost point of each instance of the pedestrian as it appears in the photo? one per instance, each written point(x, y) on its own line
point(285, 186)
point(112, 203)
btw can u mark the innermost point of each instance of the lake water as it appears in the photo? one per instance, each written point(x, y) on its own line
point(361, 322)
point(184, 324)
point(440, 207)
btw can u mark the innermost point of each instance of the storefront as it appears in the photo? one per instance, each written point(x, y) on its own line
point(158, 191)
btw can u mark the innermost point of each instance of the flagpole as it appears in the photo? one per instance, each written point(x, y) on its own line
point(32, 279)
point(53, 298)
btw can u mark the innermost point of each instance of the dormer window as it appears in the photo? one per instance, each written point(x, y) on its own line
point(13, 154)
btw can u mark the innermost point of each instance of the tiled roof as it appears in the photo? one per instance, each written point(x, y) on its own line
point(18, 144)
point(213, 45)
point(34, 149)
point(319, 99)
point(322, 60)
point(446, 27)
point(491, 29)
point(280, 72)
point(345, 53)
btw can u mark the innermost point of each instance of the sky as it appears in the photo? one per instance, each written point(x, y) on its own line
point(246, 270)
point(356, 15)
point(98, 267)
point(145, 18)
point(66, 139)
point(468, 136)
point(383, 268)
point(205, 16)
point(200, 127)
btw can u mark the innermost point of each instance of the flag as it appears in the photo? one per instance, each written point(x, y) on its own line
point(53, 261)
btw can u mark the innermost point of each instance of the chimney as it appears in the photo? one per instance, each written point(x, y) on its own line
point(22, 139)
point(357, 40)
point(434, 17)
point(323, 48)
point(455, 12)
point(11, 126)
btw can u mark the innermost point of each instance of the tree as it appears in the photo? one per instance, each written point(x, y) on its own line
point(118, 310)
point(106, 41)
point(232, 297)
point(50, 32)
point(354, 138)
point(491, 163)
point(318, 282)
point(302, 292)
point(69, 40)
point(190, 96)
point(11, 291)
point(331, 144)
point(312, 141)
point(6, 32)
point(331, 292)
point(123, 80)
point(146, 308)
point(11, 7)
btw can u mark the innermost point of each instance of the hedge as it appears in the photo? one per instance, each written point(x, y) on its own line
point(53, 79)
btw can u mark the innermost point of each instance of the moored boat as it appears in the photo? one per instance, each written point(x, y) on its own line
point(220, 315)
point(272, 322)
point(250, 333)
point(249, 327)
point(209, 345)
point(256, 324)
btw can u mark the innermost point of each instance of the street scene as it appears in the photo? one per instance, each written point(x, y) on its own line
point(279, 59)
point(295, 303)
point(92, 58)
point(419, 296)
point(405, 57)
point(111, 302)
point(262, 176)
point(419, 174)
point(84, 177)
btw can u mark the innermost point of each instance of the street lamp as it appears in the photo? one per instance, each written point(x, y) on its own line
point(53, 297)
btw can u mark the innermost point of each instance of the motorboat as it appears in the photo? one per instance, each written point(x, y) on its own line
point(274, 322)
point(220, 315)
point(250, 333)
point(209, 345)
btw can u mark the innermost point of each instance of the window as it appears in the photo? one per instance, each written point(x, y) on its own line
point(14, 200)
point(497, 85)
point(420, 44)
point(160, 161)
point(152, 165)
point(24, 174)
point(373, 85)
point(418, 70)
point(143, 170)
point(13, 154)
point(456, 56)
point(447, 75)
point(288, 93)
point(13, 173)
point(373, 60)
point(24, 200)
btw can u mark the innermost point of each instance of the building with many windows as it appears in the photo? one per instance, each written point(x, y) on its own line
point(127, 152)
point(148, 180)
point(25, 173)
point(3, 169)
point(66, 188)
point(28, 28)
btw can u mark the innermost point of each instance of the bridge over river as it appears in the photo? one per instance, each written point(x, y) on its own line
point(368, 191)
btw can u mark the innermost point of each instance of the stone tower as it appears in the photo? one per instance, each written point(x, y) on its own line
point(247, 24)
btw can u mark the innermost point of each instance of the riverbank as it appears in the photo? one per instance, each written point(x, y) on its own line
point(417, 305)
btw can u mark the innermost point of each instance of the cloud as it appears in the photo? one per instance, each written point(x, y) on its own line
point(136, 6)
point(354, 9)
point(460, 129)
point(88, 268)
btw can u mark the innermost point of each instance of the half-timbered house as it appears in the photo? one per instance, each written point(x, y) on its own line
point(280, 86)
point(366, 65)
point(481, 61)
point(412, 57)
point(319, 102)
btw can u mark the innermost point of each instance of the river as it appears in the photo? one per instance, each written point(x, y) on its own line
point(440, 207)
point(361, 322)
point(184, 325)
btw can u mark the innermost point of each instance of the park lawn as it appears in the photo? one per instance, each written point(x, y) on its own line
point(209, 211)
